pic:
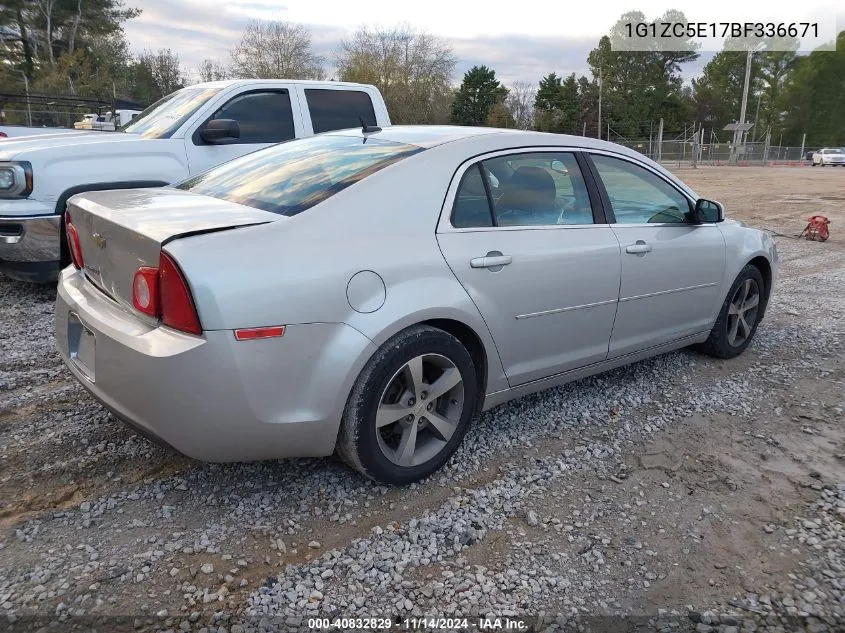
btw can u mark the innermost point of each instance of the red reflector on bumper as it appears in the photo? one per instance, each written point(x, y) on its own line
point(249, 334)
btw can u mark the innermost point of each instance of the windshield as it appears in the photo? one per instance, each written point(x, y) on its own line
point(165, 116)
point(291, 177)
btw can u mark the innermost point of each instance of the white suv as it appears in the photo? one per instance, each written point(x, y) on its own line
point(829, 156)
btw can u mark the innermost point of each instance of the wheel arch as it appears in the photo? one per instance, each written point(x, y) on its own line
point(473, 344)
point(762, 264)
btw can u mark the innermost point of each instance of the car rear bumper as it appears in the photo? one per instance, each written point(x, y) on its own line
point(30, 247)
point(211, 397)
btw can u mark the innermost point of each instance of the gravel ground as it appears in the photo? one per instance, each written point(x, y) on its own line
point(683, 493)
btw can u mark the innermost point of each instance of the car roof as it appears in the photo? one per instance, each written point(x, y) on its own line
point(428, 136)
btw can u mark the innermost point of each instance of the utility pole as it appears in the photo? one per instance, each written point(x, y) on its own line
point(738, 131)
point(756, 117)
point(600, 89)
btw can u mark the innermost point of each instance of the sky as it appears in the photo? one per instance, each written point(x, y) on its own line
point(521, 41)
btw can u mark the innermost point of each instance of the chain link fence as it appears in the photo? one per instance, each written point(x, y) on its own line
point(42, 117)
point(685, 151)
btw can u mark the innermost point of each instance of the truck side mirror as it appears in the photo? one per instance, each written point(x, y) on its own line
point(220, 131)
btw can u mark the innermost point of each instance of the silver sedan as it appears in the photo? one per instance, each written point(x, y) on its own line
point(366, 292)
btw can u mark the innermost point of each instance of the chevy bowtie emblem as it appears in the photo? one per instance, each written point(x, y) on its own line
point(99, 240)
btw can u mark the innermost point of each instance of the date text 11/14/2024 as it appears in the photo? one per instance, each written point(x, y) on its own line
point(420, 624)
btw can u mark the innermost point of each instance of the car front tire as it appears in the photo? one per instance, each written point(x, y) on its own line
point(739, 317)
point(410, 407)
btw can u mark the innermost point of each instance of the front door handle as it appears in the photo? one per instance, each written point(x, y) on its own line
point(491, 261)
point(640, 248)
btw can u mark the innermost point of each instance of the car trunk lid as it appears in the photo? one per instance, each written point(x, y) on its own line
point(123, 230)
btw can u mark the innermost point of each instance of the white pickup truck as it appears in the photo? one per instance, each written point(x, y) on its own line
point(185, 133)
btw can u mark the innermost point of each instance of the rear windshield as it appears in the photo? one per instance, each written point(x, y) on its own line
point(291, 177)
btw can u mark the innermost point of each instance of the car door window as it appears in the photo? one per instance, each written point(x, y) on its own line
point(263, 117)
point(339, 109)
point(471, 208)
point(531, 189)
point(637, 196)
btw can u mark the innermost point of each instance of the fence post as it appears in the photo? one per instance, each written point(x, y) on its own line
point(801, 155)
point(660, 141)
point(694, 149)
point(650, 135)
point(766, 148)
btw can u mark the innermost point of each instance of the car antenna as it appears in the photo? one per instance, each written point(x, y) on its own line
point(367, 129)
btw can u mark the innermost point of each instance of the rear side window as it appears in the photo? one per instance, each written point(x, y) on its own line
point(339, 109)
point(525, 189)
point(291, 177)
point(472, 208)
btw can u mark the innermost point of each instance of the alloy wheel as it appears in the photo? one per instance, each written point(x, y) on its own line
point(742, 312)
point(419, 410)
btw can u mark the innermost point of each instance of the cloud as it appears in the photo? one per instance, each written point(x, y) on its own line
point(200, 29)
point(522, 57)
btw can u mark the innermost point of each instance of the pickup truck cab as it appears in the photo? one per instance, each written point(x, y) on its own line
point(185, 133)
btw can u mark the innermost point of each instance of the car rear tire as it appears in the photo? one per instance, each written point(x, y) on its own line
point(739, 317)
point(410, 407)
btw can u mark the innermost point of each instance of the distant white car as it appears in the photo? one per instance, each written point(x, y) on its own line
point(829, 156)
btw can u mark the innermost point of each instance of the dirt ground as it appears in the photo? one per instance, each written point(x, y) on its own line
point(696, 512)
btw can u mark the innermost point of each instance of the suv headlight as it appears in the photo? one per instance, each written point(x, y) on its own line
point(15, 179)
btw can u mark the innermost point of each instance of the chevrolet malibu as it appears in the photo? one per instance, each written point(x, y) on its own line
point(367, 291)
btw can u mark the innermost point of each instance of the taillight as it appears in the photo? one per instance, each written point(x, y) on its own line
point(145, 291)
point(163, 293)
point(177, 305)
point(73, 242)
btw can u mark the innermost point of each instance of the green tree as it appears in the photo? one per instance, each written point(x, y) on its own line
point(588, 104)
point(36, 36)
point(776, 68)
point(548, 93)
point(558, 105)
point(641, 86)
point(813, 98)
point(718, 92)
point(154, 75)
point(478, 93)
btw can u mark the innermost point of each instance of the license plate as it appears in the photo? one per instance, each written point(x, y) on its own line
point(81, 346)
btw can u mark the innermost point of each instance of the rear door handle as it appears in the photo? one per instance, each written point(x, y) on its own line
point(490, 261)
point(640, 248)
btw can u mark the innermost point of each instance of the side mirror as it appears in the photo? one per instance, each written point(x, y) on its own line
point(708, 212)
point(559, 167)
point(220, 131)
